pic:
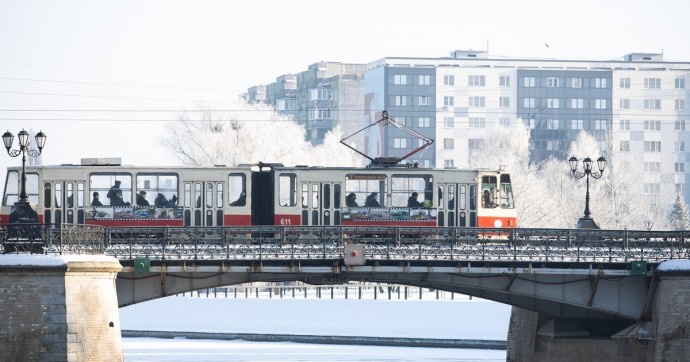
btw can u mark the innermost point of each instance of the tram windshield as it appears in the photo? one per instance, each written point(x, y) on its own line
point(13, 184)
point(496, 194)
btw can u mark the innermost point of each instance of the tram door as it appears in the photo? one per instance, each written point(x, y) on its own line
point(457, 205)
point(321, 202)
point(63, 202)
point(203, 203)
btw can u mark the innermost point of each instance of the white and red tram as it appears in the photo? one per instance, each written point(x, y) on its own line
point(264, 194)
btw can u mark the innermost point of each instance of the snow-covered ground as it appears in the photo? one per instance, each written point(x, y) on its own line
point(457, 319)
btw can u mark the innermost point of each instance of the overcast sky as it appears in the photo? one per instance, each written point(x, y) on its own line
point(130, 59)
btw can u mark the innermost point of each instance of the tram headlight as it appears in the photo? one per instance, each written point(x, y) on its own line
point(498, 223)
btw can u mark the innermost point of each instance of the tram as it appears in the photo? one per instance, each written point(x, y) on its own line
point(102, 191)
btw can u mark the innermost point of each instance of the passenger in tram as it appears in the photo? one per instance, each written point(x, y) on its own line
point(141, 199)
point(160, 200)
point(412, 201)
point(96, 201)
point(112, 193)
point(172, 202)
point(371, 200)
point(241, 201)
point(351, 200)
point(117, 200)
point(487, 199)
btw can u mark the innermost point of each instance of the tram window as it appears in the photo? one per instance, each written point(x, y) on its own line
point(473, 197)
point(336, 196)
point(440, 197)
point(412, 190)
point(489, 191)
point(326, 196)
point(463, 197)
point(47, 194)
point(219, 195)
point(237, 189)
point(287, 189)
point(197, 194)
point(154, 184)
point(187, 195)
point(12, 187)
point(506, 195)
point(305, 196)
point(58, 195)
point(314, 196)
point(209, 195)
point(70, 195)
point(80, 194)
point(367, 187)
point(108, 185)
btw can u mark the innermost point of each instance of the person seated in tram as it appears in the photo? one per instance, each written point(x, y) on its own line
point(141, 199)
point(160, 200)
point(117, 200)
point(96, 201)
point(351, 200)
point(412, 201)
point(371, 200)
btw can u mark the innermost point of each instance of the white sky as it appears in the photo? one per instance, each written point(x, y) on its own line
point(133, 57)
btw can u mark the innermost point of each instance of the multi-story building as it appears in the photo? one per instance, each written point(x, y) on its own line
point(634, 106)
point(325, 95)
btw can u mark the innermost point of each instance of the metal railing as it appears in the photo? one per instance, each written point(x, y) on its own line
point(285, 243)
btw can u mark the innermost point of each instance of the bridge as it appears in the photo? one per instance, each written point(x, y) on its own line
point(564, 283)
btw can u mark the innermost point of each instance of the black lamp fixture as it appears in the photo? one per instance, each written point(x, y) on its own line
point(586, 222)
point(22, 211)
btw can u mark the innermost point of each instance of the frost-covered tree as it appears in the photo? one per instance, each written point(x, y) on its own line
point(237, 133)
point(679, 218)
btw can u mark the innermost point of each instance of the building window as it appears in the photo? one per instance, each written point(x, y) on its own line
point(448, 143)
point(400, 79)
point(680, 125)
point(652, 188)
point(652, 125)
point(476, 80)
point(680, 188)
point(552, 103)
point(400, 100)
point(577, 124)
point(476, 101)
point(504, 102)
point(477, 122)
point(424, 122)
point(424, 79)
point(625, 124)
point(652, 104)
point(504, 81)
point(551, 124)
point(401, 119)
point(531, 123)
point(680, 167)
point(652, 146)
point(680, 104)
point(601, 124)
point(529, 102)
point(600, 103)
point(625, 104)
point(552, 82)
point(652, 167)
point(448, 101)
point(530, 82)
point(576, 82)
point(625, 146)
point(600, 83)
point(625, 83)
point(652, 83)
point(448, 163)
point(423, 100)
point(448, 122)
point(448, 80)
point(400, 142)
point(577, 103)
point(505, 122)
point(680, 83)
point(680, 146)
point(475, 144)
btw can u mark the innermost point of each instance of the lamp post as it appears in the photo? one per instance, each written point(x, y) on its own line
point(586, 222)
point(22, 211)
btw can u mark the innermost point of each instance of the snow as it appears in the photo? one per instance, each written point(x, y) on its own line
point(50, 260)
point(670, 265)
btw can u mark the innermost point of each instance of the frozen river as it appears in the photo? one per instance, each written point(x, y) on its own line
point(454, 319)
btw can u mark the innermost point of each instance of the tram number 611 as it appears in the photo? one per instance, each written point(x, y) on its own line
point(285, 222)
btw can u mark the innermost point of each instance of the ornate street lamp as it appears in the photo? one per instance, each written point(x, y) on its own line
point(586, 222)
point(22, 211)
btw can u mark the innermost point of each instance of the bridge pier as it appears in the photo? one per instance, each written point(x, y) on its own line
point(59, 308)
point(536, 337)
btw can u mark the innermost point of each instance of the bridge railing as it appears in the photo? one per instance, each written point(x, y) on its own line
point(327, 242)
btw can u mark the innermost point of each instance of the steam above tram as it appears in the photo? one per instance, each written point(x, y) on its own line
point(263, 194)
